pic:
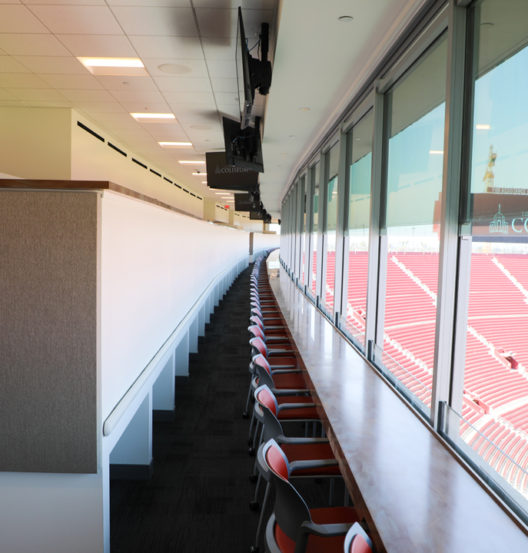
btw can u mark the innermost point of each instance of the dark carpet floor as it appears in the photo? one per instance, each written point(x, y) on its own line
point(197, 499)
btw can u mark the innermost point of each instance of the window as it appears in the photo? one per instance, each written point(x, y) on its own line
point(359, 145)
point(489, 413)
point(332, 164)
point(302, 234)
point(315, 227)
point(415, 107)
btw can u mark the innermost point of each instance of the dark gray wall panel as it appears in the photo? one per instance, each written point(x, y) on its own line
point(48, 331)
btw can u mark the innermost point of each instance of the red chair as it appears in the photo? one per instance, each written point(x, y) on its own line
point(293, 527)
point(357, 540)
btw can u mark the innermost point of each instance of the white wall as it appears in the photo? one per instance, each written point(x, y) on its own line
point(155, 263)
point(92, 159)
point(265, 241)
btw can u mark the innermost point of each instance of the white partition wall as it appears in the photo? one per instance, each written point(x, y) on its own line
point(114, 291)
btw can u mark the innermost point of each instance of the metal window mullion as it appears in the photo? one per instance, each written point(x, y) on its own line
point(377, 242)
point(300, 200)
point(340, 228)
point(452, 175)
point(296, 231)
point(309, 227)
point(320, 228)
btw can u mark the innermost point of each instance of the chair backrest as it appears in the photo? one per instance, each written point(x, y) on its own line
point(256, 311)
point(259, 346)
point(357, 540)
point(272, 428)
point(261, 369)
point(266, 398)
point(290, 508)
point(256, 331)
point(257, 321)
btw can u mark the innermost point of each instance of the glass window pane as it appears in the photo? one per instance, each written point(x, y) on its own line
point(356, 256)
point(493, 402)
point(315, 226)
point(303, 230)
point(331, 226)
point(414, 184)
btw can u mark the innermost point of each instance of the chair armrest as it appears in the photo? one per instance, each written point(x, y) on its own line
point(312, 464)
point(300, 440)
point(285, 406)
point(308, 527)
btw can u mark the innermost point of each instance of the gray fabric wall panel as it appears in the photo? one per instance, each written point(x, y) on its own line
point(48, 331)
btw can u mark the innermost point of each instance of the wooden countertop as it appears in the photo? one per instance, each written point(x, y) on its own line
point(414, 494)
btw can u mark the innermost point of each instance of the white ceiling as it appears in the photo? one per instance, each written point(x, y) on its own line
point(318, 63)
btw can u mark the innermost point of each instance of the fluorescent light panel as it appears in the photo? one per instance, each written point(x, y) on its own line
point(114, 66)
point(175, 144)
point(153, 117)
point(436, 152)
point(198, 174)
point(482, 127)
point(191, 162)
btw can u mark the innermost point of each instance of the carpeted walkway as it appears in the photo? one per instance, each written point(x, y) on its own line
point(197, 499)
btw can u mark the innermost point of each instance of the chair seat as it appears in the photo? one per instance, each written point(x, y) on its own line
point(289, 381)
point(318, 544)
point(307, 452)
point(308, 413)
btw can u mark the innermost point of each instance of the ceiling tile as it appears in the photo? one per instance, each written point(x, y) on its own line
point(224, 69)
point(170, 46)
point(175, 67)
point(137, 84)
point(65, 82)
point(40, 95)
point(87, 95)
point(248, 4)
point(93, 45)
point(85, 20)
point(72, 2)
point(10, 65)
point(21, 80)
point(224, 51)
point(138, 96)
point(182, 84)
point(6, 94)
point(102, 107)
point(190, 98)
point(171, 3)
point(217, 22)
point(15, 18)
point(56, 65)
point(225, 85)
point(133, 106)
point(168, 133)
point(156, 21)
point(226, 98)
point(230, 110)
point(32, 45)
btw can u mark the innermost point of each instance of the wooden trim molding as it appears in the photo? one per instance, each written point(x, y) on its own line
point(86, 185)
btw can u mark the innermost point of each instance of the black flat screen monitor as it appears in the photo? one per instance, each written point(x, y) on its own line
point(243, 147)
point(225, 176)
point(243, 202)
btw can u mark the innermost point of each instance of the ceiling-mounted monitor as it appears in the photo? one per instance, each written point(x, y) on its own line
point(243, 147)
point(225, 176)
point(252, 74)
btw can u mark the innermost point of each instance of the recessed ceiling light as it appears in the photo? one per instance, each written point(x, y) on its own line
point(482, 127)
point(175, 144)
point(191, 162)
point(199, 174)
point(345, 18)
point(114, 66)
point(305, 108)
point(153, 117)
point(174, 68)
point(204, 182)
point(436, 152)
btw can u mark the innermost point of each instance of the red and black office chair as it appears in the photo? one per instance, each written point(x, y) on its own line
point(293, 527)
point(357, 540)
point(317, 457)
